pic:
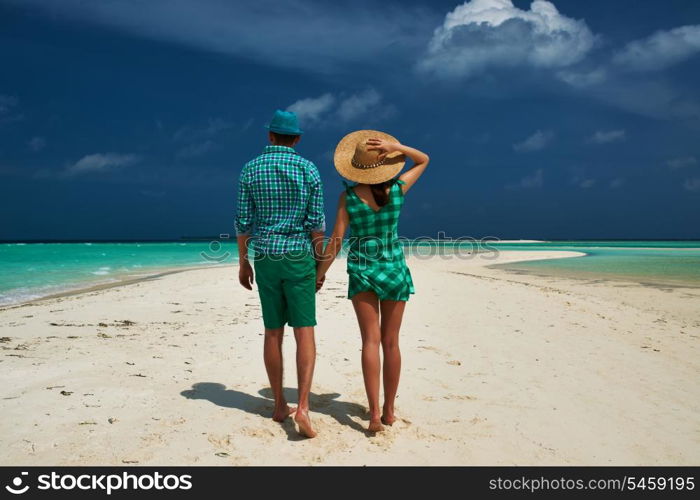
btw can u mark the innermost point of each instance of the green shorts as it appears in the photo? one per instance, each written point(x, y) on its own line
point(287, 288)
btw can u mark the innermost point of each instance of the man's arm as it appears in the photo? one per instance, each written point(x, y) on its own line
point(245, 270)
point(315, 221)
point(317, 241)
point(244, 225)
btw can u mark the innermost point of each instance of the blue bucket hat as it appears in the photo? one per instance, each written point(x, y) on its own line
point(284, 122)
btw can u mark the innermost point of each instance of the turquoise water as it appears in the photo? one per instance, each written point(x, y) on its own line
point(652, 262)
point(34, 270)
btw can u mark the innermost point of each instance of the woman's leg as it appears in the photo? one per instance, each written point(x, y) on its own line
point(392, 314)
point(367, 310)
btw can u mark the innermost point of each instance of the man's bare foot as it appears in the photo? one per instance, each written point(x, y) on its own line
point(375, 425)
point(281, 414)
point(304, 422)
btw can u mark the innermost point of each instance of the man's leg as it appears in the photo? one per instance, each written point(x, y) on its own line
point(272, 354)
point(300, 292)
point(274, 311)
point(306, 360)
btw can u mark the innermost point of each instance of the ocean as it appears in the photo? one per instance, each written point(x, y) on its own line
point(649, 262)
point(34, 270)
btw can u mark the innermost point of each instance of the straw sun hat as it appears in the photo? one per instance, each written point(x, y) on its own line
point(356, 163)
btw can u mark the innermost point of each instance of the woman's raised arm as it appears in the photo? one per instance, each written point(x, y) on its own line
point(419, 158)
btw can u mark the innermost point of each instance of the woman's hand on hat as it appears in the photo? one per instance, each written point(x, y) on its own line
point(384, 147)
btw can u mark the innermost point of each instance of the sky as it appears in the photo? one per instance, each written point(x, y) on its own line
point(559, 119)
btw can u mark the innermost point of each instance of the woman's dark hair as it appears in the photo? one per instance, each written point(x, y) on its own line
point(380, 192)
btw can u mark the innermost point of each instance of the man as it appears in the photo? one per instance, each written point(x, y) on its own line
point(280, 217)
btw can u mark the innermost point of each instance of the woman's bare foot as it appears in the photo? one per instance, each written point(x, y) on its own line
point(388, 417)
point(375, 425)
point(281, 414)
point(304, 422)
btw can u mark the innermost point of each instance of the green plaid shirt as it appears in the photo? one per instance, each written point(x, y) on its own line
point(280, 201)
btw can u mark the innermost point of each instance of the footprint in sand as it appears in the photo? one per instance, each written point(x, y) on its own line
point(258, 433)
point(428, 436)
point(219, 441)
point(383, 439)
point(154, 438)
point(464, 397)
point(430, 348)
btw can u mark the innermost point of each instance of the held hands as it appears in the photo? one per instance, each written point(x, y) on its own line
point(320, 280)
point(384, 147)
point(245, 275)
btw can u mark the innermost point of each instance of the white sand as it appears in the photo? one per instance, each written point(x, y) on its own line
point(499, 368)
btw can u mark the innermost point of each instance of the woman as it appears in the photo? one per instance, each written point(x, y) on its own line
point(379, 280)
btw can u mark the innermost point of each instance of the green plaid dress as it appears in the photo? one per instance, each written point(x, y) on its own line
point(376, 261)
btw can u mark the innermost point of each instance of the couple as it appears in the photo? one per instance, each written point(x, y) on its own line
point(280, 218)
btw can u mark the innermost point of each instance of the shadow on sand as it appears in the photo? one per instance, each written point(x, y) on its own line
point(262, 405)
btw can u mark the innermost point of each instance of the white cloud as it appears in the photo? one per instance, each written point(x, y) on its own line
point(681, 162)
point(196, 149)
point(656, 98)
point(607, 136)
point(36, 143)
point(582, 79)
point(537, 141)
point(580, 179)
point(200, 140)
point(616, 183)
point(618, 82)
point(692, 184)
point(660, 50)
point(480, 34)
point(213, 127)
point(361, 105)
point(247, 124)
point(8, 109)
point(311, 109)
point(101, 162)
point(532, 181)
point(367, 106)
point(7, 103)
point(298, 34)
